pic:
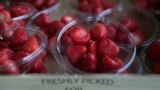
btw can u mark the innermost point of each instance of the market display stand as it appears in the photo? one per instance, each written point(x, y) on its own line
point(88, 82)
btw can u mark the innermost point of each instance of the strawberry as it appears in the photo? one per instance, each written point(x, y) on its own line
point(1, 6)
point(111, 32)
point(89, 64)
point(9, 67)
point(79, 35)
point(97, 9)
point(19, 37)
point(31, 44)
point(138, 37)
point(20, 9)
point(67, 18)
point(38, 66)
point(66, 40)
point(75, 53)
point(121, 37)
point(99, 31)
point(5, 15)
point(38, 3)
point(19, 55)
point(85, 7)
point(42, 20)
point(6, 53)
point(129, 24)
point(118, 61)
point(55, 27)
point(107, 46)
point(156, 68)
point(49, 3)
point(107, 64)
point(153, 52)
point(92, 47)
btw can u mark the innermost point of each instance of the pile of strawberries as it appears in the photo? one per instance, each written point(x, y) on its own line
point(131, 25)
point(13, 51)
point(94, 6)
point(153, 54)
point(91, 50)
point(15, 11)
point(51, 27)
point(40, 4)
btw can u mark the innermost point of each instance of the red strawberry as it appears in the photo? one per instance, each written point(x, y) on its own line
point(42, 20)
point(99, 31)
point(38, 3)
point(67, 18)
point(79, 35)
point(92, 47)
point(31, 44)
point(19, 37)
point(129, 24)
point(19, 55)
point(5, 15)
point(38, 66)
point(156, 68)
point(75, 53)
point(85, 7)
point(6, 53)
point(97, 9)
point(107, 46)
point(55, 27)
point(138, 37)
point(141, 4)
point(1, 6)
point(107, 64)
point(89, 64)
point(9, 67)
point(118, 61)
point(20, 9)
point(154, 51)
point(121, 37)
point(66, 40)
point(49, 3)
point(111, 32)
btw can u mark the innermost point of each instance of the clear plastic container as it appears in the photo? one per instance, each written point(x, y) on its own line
point(146, 23)
point(147, 63)
point(25, 16)
point(25, 64)
point(19, 17)
point(127, 51)
point(152, 6)
point(45, 9)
